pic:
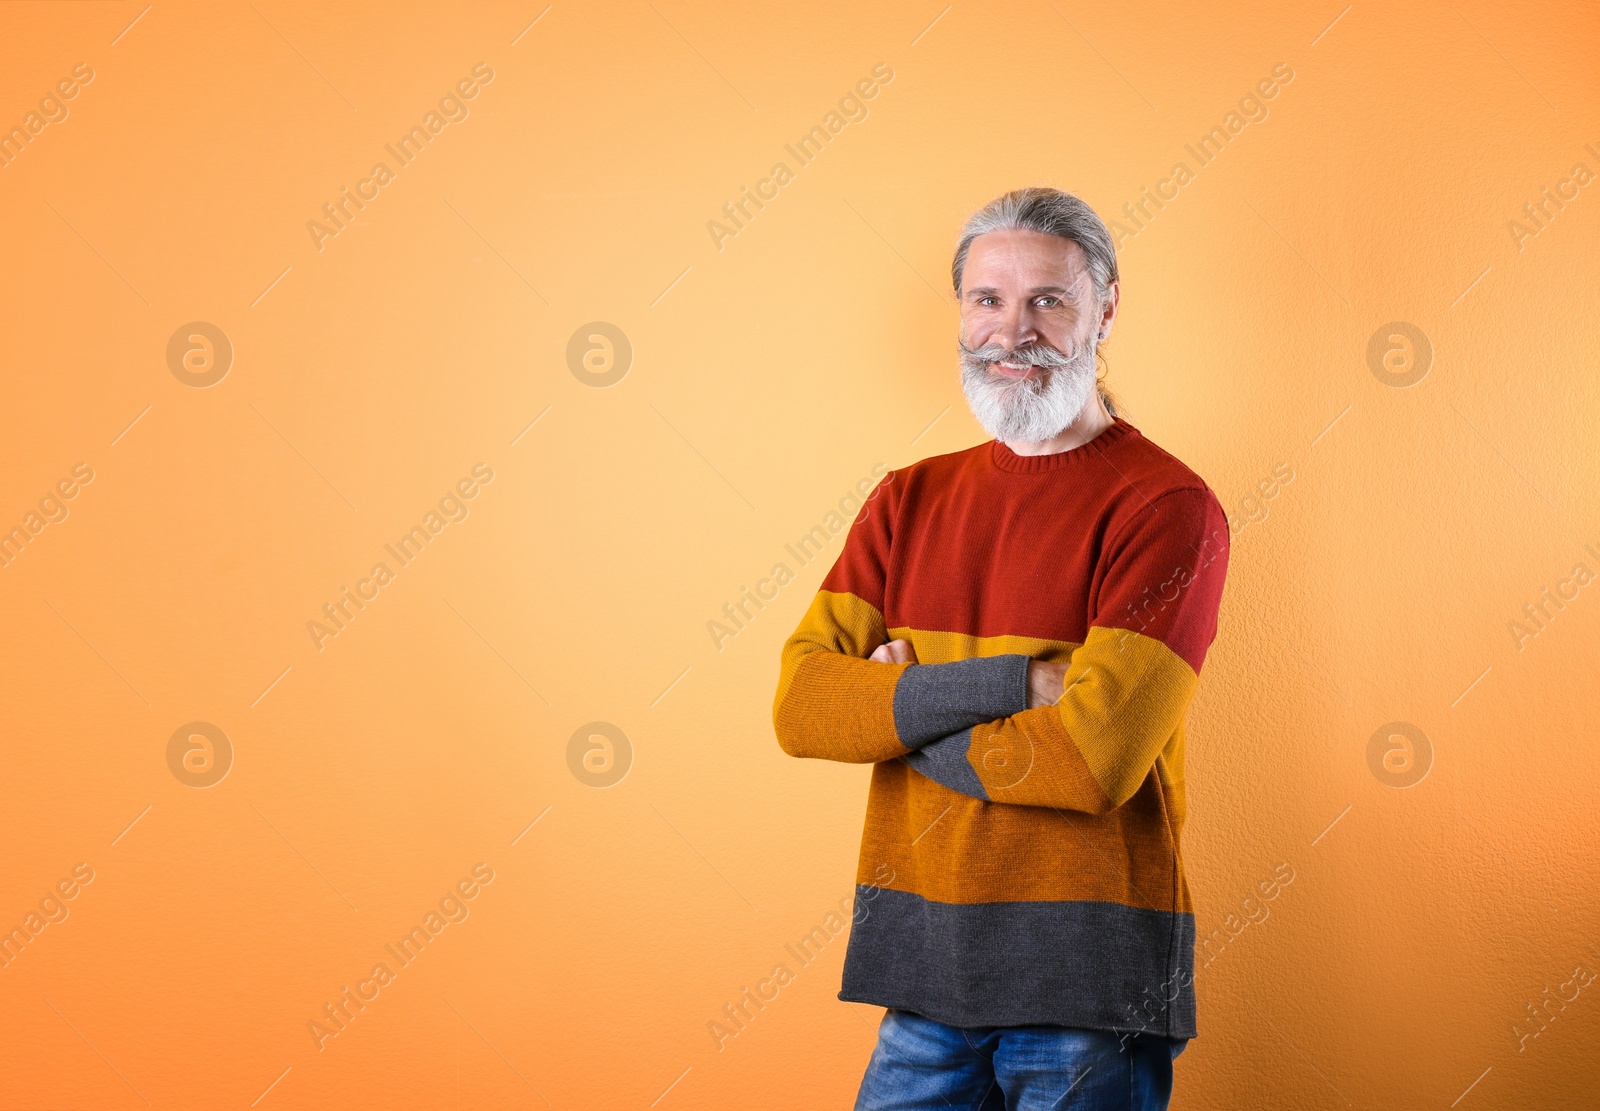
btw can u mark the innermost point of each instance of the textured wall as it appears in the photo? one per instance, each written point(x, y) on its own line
point(1345, 318)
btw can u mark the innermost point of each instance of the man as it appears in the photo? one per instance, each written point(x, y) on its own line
point(1011, 636)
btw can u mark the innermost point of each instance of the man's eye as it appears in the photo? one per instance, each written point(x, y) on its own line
point(1048, 302)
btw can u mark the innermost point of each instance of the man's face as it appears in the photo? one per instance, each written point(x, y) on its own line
point(1029, 324)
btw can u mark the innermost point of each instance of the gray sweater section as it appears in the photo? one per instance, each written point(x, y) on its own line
point(935, 700)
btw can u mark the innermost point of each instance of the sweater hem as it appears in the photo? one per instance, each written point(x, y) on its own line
point(973, 1017)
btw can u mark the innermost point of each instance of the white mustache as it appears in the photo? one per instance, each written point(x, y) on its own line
point(1033, 355)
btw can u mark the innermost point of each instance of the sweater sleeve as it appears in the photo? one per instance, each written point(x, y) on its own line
point(835, 704)
point(1128, 685)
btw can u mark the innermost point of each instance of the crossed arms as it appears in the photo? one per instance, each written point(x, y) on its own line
point(946, 759)
point(985, 727)
point(1081, 736)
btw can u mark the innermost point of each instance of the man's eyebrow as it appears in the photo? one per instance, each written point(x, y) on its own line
point(990, 291)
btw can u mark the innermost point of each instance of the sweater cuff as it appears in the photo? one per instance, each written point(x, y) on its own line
point(935, 700)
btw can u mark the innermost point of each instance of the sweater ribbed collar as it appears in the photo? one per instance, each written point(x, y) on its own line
point(1008, 460)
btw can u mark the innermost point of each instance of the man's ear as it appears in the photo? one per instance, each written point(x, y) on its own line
point(1108, 309)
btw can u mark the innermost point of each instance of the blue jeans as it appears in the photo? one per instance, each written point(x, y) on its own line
point(922, 1064)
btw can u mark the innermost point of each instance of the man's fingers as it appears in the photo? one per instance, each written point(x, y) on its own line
point(898, 651)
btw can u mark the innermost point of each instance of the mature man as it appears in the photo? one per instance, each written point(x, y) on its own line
point(1011, 635)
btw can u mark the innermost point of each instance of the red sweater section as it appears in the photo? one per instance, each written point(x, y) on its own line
point(1039, 536)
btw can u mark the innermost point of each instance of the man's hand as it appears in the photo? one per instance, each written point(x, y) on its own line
point(1046, 683)
point(898, 652)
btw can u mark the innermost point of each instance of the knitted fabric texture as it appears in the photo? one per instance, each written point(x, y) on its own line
point(1018, 865)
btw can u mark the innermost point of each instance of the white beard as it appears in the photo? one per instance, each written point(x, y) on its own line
point(1027, 409)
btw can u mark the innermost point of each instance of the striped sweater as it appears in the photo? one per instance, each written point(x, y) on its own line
point(1018, 866)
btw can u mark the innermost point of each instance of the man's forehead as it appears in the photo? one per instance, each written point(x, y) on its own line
point(1037, 261)
point(1036, 250)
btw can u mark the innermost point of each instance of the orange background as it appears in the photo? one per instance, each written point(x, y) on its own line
point(766, 378)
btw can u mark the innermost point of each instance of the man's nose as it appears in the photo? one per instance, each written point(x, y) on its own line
point(1014, 329)
point(1014, 333)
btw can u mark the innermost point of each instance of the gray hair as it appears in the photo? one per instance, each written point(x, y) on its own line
point(1052, 212)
